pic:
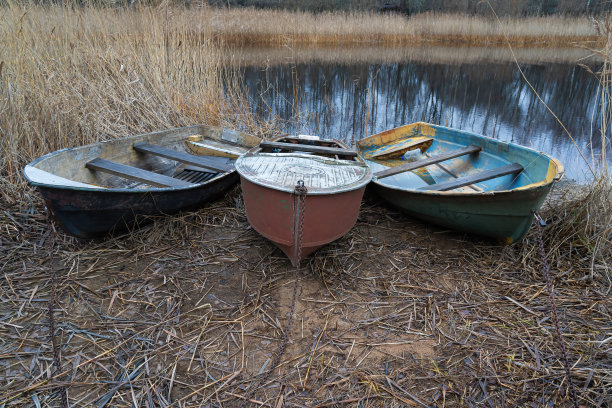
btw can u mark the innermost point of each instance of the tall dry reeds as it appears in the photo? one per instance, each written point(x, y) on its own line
point(604, 28)
point(599, 208)
point(280, 27)
point(579, 237)
point(71, 76)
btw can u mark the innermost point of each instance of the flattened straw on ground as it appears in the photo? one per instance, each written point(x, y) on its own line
point(191, 308)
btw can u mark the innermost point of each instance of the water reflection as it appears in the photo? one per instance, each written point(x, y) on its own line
point(269, 56)
point(352, 100)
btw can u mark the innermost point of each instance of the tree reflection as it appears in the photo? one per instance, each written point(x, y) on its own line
point(351, 101)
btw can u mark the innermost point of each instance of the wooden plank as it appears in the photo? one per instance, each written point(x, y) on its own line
point(134, 173)
point(475, 178)
point(399, 149)
point(426, 162)
point(215, 148)
point(448, 171)
point(309, 148)
point(182, 157)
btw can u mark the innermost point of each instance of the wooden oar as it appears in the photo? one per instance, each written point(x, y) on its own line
point(309, 148)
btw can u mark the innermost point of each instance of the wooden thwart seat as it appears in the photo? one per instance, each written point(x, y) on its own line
point(215, 148)
point(182, 157)
point(475, 178)
point(398, 149)
point(309, 148)
point(134, 173)
point(426, 162)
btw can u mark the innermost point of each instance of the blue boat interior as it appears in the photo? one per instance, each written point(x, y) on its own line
point(538, 168)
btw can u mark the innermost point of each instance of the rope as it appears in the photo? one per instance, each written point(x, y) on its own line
point(56, 355)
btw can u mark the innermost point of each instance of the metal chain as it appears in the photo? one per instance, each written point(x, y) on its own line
point(299, 198)
point(56, 354)
point(553, 306)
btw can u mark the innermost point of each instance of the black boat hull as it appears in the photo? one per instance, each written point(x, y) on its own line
point(96, 213)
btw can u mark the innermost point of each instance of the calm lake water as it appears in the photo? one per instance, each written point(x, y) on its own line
point(351, 96)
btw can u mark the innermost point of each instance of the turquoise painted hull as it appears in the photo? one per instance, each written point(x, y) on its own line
point(505, 216)
point(500, 208)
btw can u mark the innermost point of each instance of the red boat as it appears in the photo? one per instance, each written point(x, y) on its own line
point(302, 192)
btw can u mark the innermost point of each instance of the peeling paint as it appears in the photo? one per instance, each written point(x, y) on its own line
point(501, 208)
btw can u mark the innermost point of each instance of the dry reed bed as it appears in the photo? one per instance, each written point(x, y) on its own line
point(279, 27)
point(189, 311)
point(75, 76)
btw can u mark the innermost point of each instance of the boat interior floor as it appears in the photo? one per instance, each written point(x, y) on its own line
point(426, 162)
point(192, 171)
point(513, 168)
point(456, 182)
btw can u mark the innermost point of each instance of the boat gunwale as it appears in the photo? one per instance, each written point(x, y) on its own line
point(119, 190)
point(531, 186)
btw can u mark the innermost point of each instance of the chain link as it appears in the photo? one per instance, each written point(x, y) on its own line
point(300, 194)
point(299, 198)
point(553, 306)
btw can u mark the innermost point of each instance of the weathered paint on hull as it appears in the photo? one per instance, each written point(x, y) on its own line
point(505, 216)
point(326, 218)
point(499, 207)
point(93, 214)
point(90, 204)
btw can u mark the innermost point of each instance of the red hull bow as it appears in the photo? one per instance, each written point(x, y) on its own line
point(273, 214)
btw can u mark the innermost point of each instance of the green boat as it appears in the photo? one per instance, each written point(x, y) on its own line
point(459, 179)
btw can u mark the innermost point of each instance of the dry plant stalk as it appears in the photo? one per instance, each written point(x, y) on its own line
point(582, 217)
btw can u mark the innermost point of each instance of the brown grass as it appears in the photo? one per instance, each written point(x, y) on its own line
point(250, 26)
point(192, 309)
point(582, 217)
point(74, 76)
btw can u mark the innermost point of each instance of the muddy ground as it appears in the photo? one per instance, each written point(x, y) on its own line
point(190, 310)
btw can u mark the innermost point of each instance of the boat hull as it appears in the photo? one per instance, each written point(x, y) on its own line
point(89, 203)
point(500, 207)
point(504, 216)
point(93, 214)
point(326, 217)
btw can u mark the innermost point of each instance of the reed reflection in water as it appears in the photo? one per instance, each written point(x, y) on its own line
point(351, 100)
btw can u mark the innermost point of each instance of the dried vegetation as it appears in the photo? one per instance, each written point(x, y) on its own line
point(188, 311)
point(281, 27)
point(72, 76)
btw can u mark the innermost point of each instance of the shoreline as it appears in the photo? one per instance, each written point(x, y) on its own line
point(396, 312)
point(386, 40)
point(274, 55)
